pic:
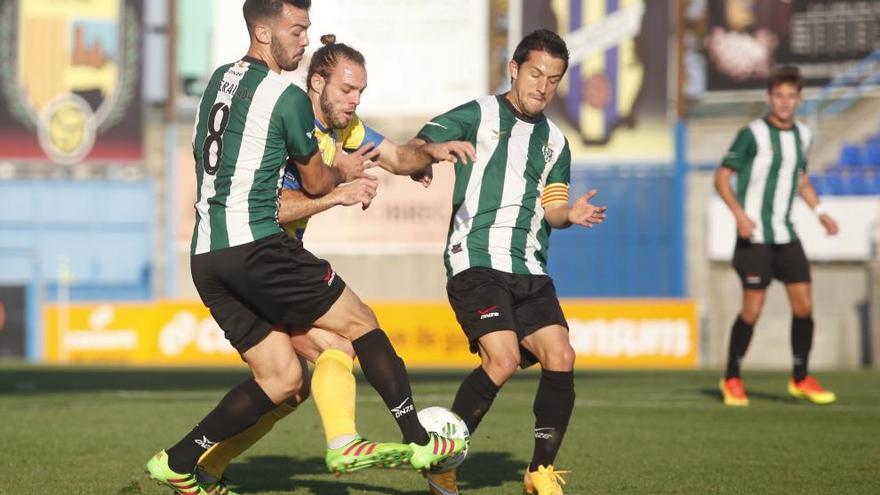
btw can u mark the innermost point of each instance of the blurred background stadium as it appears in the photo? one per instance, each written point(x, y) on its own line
point(97, 101)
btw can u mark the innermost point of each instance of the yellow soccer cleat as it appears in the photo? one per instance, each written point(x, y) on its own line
point(545, 481)
point(734, 392)
point(809, 389)
point(442, 483)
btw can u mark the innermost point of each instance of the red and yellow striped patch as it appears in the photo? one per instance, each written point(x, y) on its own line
point(554, 193)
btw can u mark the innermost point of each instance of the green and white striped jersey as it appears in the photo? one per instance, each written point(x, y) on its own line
point(249, 121)
point(497, 218)
point(769, 161)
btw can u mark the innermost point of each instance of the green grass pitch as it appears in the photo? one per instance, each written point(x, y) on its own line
point(73, 430)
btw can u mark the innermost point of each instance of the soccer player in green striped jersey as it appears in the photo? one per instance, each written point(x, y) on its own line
point(336, 79)
point(769, 158)
point(258, 283)
point(504, 206)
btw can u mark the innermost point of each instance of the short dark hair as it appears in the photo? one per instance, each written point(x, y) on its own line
point(324, 59)
point(785, 74)
point(542, 40)
point(255, 10)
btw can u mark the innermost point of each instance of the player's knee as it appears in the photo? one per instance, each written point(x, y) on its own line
point(501, 368)
point(289, 383)
point(362, 320)
point(305, 391)
point(341, 344)
point(750, 314)
point(750, 319)
point(560, 359)
point(802, 310)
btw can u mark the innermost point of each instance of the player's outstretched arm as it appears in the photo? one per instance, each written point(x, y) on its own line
point(561, 216)
point(806, 190)
point(415, 156)
point(296, 205)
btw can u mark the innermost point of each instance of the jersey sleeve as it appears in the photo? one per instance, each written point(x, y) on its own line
point(298, 124)
point(805, 136)
point(556, 189)
point(454, 125)
point(742, 151)
point(357, 134)
point(561, 171)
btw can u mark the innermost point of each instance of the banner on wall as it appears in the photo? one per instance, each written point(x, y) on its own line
point(614, 94)
point(604, 334)
point(70, 88)
point(13, 320)
point(403, 217)
point(423, 58)
point(744, 39)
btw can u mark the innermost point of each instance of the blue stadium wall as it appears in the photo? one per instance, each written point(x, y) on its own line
point(639, 250)
point(94, 238)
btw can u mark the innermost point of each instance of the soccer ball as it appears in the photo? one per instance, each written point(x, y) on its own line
point(445, 422)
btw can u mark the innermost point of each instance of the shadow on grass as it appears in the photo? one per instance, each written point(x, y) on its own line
point(714, 393)
point(285, 473)
point(42, 379)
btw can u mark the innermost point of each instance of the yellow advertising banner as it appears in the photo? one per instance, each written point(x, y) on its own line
point(604, 333)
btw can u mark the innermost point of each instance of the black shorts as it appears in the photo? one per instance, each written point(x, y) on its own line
point(487, 300)
point(266, 283)
point(758, 264)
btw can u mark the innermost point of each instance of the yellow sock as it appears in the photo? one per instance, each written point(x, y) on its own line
point(333, 388)
point(215, 460)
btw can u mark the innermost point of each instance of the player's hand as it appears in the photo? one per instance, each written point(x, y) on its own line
point(361, 190)
point(452, 151)
point(829, 223)
point(585, 214)
point(745, 226)
point(352, 165)
point(425, 177)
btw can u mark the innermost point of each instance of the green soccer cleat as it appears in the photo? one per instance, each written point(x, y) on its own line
point(436, 450)
point(361, 454)
point(213, 485)
point(182, 483)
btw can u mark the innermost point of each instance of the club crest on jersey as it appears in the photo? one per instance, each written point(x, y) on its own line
point(78, 69)
point(548, 152)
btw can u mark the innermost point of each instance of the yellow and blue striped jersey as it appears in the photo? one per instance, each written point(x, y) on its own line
point(352, 137)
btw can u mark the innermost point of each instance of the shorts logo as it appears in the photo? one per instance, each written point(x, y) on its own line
point(456, 248)
point(403, 408)
point(753, 278)
point(330, 275)
point(490, 312)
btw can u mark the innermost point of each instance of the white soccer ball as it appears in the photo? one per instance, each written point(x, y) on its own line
point(445, 422)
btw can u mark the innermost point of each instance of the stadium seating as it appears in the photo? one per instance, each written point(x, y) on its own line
point(857, 171)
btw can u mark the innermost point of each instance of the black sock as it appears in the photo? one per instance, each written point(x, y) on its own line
point(740, 336)
point(474, 398)
point(235, 412)
point(553, 405)
point(801, 342)
point(387, 374)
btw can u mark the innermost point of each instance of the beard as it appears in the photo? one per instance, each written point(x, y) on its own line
point(334, 119)
point(283, 60)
